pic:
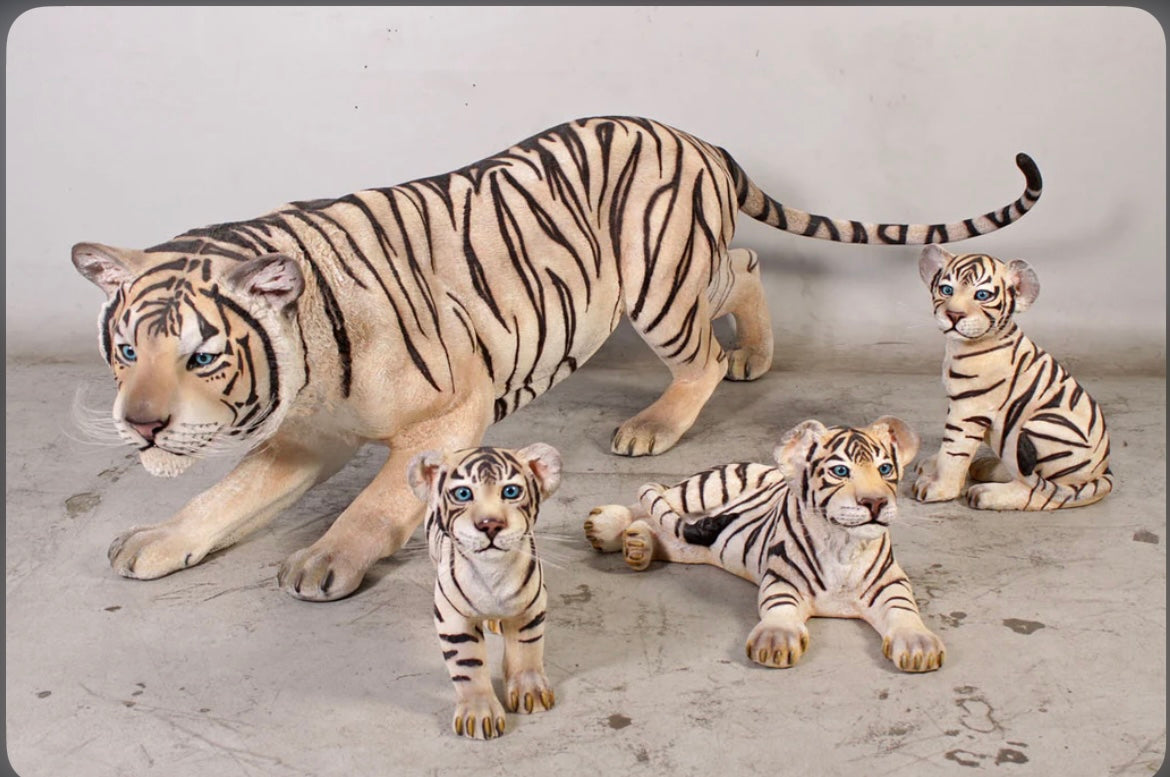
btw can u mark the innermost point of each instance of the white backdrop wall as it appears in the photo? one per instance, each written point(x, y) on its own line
point(130, 125)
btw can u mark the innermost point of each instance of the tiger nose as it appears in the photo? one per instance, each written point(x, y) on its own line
point(874, 505)
point(490, 525)
point(148, 429)
point(954, 317)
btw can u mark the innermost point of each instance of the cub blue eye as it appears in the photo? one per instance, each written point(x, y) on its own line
point(839, 470)
point(886, 469)
point(461, 494)
point(512, 491)
point(983, 295)
point(128, 353)
point(946, 289)
point(201, 359)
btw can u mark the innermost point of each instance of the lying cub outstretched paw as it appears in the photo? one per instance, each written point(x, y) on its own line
point(777, 645)
point(529, 691)
point(604, 527)
point(147, 552)
point(914, 650)
point(479, 717)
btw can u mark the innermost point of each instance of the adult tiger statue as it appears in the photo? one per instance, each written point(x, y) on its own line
point(812, 532)
point(1050, 447)
point(417, 315)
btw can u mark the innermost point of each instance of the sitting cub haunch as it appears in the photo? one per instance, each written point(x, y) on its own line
point(1048, 435)
point(812, 532)
point(482, 505)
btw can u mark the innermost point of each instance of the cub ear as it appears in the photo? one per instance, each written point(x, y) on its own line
point(931, 261)
point(792, 452)
point(422, 471)
point(107, 267)
point(275, 278)
point(1025, 282)
point(545, 463)
point(903, 437)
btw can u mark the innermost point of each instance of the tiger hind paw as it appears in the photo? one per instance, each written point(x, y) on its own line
point(638, 546)
point(604, 527)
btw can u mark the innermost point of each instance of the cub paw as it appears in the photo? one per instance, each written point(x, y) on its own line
point(479, 717)
point(913, 650)
point(604, 527)
point(929, 488)
point(994, 496)
point(147, 552)
point(529, 692)
point(319, 575)
point(643, 437)
point(777, 645)
point(638, 546)
point(748, 363)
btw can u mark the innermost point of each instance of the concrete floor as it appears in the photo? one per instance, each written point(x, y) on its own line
point(1055, 624)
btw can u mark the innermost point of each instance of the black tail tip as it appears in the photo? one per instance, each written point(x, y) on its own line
point(1030, 171)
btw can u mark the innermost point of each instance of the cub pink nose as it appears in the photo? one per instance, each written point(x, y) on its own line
point(873, 505)
point(490, 525)
point(148, 429)
point(954, 317)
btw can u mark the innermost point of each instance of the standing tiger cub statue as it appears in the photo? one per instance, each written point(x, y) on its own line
point(481, 507)
point(1051, 448)
point(416, 315)
point(812, 532)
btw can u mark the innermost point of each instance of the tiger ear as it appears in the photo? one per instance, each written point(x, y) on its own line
point(1025, 282)
point(107, 267)
point(422, 471)
point(901, 434)
point(275, 278)
point(545, 462)
point(931, 261)
point(792, 452)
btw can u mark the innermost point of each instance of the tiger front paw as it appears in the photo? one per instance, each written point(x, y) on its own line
point(604, 527)
point(479, 717)
point(147, 552)
point(929, 487)
point(529, 691)
point(319, 575)
point(777, 645)
point(913, 650)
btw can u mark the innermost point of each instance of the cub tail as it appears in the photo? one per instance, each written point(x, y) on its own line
point(755, 203)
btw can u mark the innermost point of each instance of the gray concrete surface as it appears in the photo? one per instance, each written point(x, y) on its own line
point(1054, 623)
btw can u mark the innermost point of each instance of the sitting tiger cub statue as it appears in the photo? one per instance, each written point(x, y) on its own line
point(1051, 448)
point(812, 532)
point(414, 316)
point(481, 507)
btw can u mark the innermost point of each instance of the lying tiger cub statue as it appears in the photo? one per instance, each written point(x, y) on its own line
point(1051, 448)
point(482, 505)
point(416, 315)
point(812, 532)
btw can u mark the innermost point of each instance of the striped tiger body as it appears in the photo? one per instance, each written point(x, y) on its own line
point(1048, 436)
point(416, 315)
point(481, 507)
point(812, 532)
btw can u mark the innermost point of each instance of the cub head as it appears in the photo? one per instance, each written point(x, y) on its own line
point(848, 477)
point(202, 347)
point(486, 499)
point(976, 294)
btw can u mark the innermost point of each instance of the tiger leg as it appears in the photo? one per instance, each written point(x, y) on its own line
point(781, 636)
point(266, 481)
point(382, 517)
point(1032, 492)
point(660, 536)
point(942, 477)
point(745, 302)
point(528, 689)
point(685, 341)
point(888, 605)
point(478, 713)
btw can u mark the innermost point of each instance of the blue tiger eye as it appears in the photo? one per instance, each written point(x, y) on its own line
point(983, 295)
point(128, 353)
point(946, 289)
point(839, 470)
point(512, 491)
point(201, 359)
point(461, 494)
point(886, 469)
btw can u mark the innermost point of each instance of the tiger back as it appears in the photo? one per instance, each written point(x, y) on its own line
point(811, 532)
point(1048, 436)
point(482, 506)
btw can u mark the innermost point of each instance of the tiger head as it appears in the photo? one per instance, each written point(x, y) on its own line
point(486, 499)
point(202, 347)
point(848, 477)
point(976, 294)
